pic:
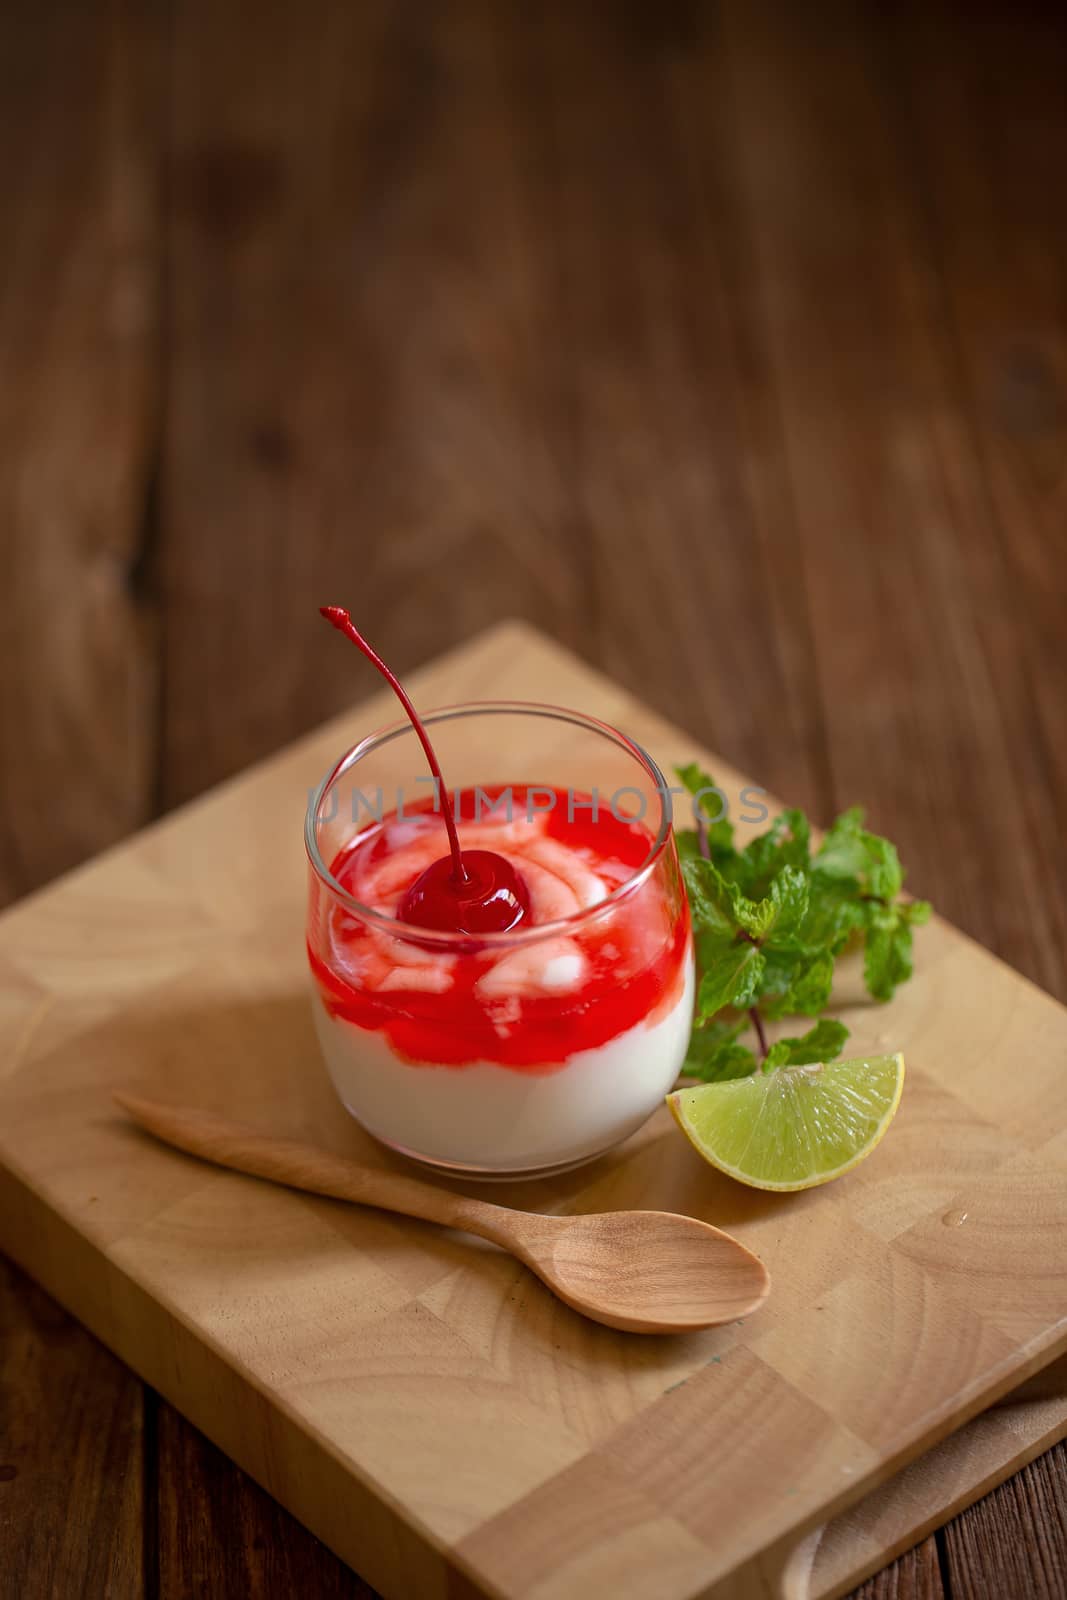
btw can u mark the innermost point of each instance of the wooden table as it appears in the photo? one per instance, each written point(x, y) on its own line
point(728, 343)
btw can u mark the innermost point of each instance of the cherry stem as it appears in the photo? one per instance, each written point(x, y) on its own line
point(344, 624)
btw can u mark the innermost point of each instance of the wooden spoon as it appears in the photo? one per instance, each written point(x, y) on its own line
point(643, 1271)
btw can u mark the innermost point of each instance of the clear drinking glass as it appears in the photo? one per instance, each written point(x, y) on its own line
point(506, 1054)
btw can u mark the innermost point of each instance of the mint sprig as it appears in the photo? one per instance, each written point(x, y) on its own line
point(770, 922)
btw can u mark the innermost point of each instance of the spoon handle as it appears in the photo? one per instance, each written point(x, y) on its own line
point(308, 1167)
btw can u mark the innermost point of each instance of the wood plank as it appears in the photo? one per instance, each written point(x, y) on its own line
point(896, 525)
point(982, 118)
point(1015, 1541)
point(221, 1535)
point(77, 423)
point(70, 1455)
point(983, 126)
point(349, 412)
point(77, 712)
point(657, 400)
point(916, 1576)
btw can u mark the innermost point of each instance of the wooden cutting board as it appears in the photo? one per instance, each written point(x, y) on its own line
point(418, 1400)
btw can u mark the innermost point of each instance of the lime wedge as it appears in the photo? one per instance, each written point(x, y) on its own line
point(794, 1127)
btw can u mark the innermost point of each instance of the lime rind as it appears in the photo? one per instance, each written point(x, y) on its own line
point(795, 1127)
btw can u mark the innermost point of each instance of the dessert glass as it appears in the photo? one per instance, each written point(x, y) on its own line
point(502, 1054)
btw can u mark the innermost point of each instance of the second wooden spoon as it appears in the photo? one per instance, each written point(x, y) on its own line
point(642, 1271)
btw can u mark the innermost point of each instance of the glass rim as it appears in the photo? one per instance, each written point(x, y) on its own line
point(437, 938)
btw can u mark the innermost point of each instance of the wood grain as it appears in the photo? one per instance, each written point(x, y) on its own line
point(219, 1534)
point(70, 1454)
point(982, 1562)
point(717, 1452)
point(78, 381)
point(888, 480)
point(915, 1576)
point(78, 384)
point(354, 396)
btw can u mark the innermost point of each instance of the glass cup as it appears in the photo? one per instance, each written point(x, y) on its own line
point(504, 1054)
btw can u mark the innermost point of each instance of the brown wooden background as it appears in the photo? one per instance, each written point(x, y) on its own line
point(726, 342)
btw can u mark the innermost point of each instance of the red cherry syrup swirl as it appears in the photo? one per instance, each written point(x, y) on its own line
point(473, 893)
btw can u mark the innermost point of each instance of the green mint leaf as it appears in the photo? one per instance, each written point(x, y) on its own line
point(800, 834)
point(770, 920)
point(730, 976)
point(710, 945)
point(777, 1055)
point(719, 906)
point(887, 955)
point(732, 1061)
point(842, 853)
point(884, 873)
point(713, 804)
point(866, 860)
point(721, 1030)
point(749, 979)
point(709, 902)
point(821, 1043)
point(756, 917)
point(789, 894)
point(714, 1056)
point(809, 987)
point(696, 780)
point(785, 844)
point(780, 966)
point(831, 916)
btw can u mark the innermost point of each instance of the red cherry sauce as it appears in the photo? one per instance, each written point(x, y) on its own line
point(528, 1006)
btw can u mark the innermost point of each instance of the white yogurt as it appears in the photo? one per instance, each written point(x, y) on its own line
point(495, 1119)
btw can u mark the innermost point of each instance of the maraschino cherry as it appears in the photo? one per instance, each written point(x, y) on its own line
point(472, 891)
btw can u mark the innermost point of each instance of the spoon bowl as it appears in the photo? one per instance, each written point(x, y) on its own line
point(643, 1271)
point(640, 1271)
